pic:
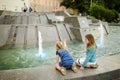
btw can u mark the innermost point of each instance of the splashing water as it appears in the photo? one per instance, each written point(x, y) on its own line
point(40, 50)
point(101, 44)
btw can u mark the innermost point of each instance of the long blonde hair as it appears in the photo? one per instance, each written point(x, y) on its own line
point(91, 41)
point(60, 44)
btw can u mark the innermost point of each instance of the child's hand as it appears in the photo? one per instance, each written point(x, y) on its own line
point(64, 44)
point(64, 41)
point(82, 68)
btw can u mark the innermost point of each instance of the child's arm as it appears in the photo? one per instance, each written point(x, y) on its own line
point(64, 45)
point(57, 58)
point(88, 56)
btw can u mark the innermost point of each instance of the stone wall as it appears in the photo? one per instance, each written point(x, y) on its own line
point(70, 33)
point(48, 33)
point(4, 34)
point(20, 36)
point(63, 34)
point(31, 36)
point(1, 11)
point(24, 28)
point(81, 27)
point(27, 35)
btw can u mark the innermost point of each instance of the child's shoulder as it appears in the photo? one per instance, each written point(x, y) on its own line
point(60, 50)
point(91, 48)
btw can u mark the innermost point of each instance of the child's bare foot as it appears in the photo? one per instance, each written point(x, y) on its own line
point(74, 69)
point(63, 71)
point(82, 68)
point(94, 65)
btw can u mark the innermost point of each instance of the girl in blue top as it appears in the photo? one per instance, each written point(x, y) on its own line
point(90, 59)
point(63, 58)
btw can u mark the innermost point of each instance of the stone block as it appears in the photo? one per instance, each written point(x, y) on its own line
point(1, 19)
point(51, 16)
point(62, 13)
point(106, 29)
point(11, 35)
point(80, 22)
point(48, 33)
point(72, 20)
point(68, 28)
point(62, 32)
point(13, 19)
point(32, 19)
point(91, 30)
point(7, 19)
point(77, 33)
point(15, 14)
point(38, 20)
point(18, 20)
point(1, 11)
point(43, 19)
point(4, 34)
point(24, 20)
point(20, 36)
point(31, 36)
point(83, 22)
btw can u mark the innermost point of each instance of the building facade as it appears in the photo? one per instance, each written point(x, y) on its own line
point(13, 5)
point(46, 5)
point(37, 5)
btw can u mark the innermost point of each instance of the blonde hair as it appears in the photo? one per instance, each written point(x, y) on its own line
point(60, 44)
point(91, 40)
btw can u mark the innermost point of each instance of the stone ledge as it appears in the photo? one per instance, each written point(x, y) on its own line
point(109, 68)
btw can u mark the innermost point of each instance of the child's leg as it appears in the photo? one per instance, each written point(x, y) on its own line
point(74, 68)
point(57, 67)
point(78, 63)
point(93, 65)
point(61, 69)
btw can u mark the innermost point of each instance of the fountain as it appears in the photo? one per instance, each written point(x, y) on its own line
point(40, 50)
point(32, 34)
point(101, 43)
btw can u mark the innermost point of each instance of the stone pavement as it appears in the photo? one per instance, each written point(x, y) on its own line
point(109, 69)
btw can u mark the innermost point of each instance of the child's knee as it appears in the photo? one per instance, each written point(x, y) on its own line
point(75, 63)
point(57, 65)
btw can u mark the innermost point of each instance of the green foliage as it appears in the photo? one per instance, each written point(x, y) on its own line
point(81, 5)
point(112, 4)
point(102, 13)
point(100, 9)
point(100, 2)
point(96, 11)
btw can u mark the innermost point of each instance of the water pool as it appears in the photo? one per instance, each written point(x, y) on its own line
point(13, 58)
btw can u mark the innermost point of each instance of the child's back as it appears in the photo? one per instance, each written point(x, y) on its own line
point(90, 58)
point(66, 59)
point(63, 58)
